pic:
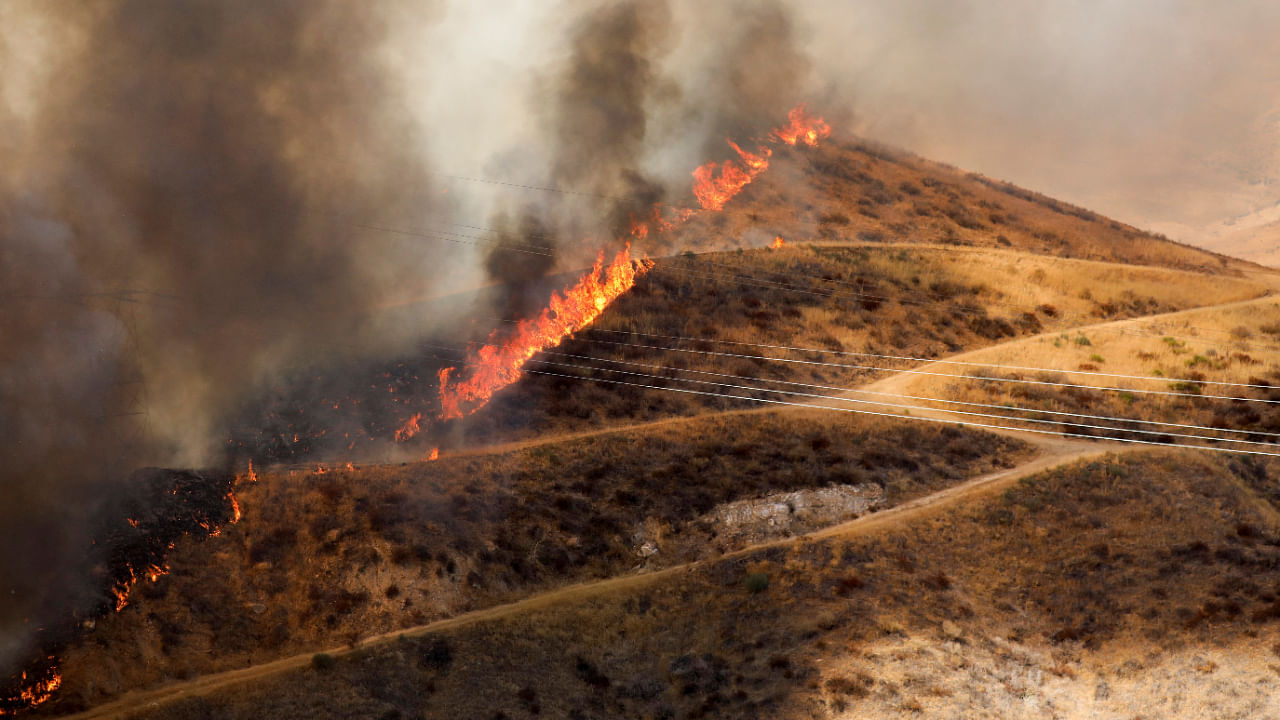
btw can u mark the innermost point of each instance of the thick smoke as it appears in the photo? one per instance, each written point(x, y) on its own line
point(603, 98)
point(182, 217)
point(645, 92)
point(594, 126)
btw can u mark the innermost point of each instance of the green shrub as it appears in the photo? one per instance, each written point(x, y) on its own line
point(322, 661)
point(757, 582)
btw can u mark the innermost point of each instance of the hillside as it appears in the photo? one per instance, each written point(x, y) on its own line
point(1259, 243)
point(854, 190)
point(634, 450)
point(337, 556)
point(724, 312)
point(1131, 585)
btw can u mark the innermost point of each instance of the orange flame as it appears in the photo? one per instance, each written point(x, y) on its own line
point(235, 508)
point(122, 596)
point(253, 476)
point(661, 219)
point(409, 429)
point(37, 692)
point(496, 365)
point(777, 242)
point(714, 184)
point(713, 190)
point(434, 454)
point(802, 127)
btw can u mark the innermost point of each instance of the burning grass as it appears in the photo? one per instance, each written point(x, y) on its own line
point(327, 558)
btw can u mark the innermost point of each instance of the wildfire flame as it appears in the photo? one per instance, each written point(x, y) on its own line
point(802, 127)
point(714, 189)
point(409, 429)
point(235, 508)
point(434, 454)
point(37, 692)
point(497, 364)
point(714, 184)
point(777, 243)
point(660, 219)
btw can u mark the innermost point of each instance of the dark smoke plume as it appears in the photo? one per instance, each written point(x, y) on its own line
point(186, 221)
point(522, 254)
point(759, 71)
point(595, 127)
point(603, 99)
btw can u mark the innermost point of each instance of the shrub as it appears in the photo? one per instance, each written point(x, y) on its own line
point(434, 653)
point(856, 687)
point(590, 674)
point(322, 661)
point(757, 582)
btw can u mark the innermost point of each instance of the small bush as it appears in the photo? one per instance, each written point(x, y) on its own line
point(322, 661)
point(757, 582)
point(434, 653)
point(590, 674)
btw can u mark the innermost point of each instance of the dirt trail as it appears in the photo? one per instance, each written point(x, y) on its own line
point(1054, 451)
point(902, 382)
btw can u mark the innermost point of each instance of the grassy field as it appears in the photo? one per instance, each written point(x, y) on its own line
point(332, 557)
point(1144, 585)
point(1185, 354)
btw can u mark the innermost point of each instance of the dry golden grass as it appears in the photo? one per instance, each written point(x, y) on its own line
point(1148, 583)
point(1185, 353)
point(320, 559)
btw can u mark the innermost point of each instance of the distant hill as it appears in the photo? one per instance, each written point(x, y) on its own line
point(1254, 237)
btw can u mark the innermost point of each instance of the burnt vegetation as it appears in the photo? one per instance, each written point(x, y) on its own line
point(1158, 550)
point(339, 555)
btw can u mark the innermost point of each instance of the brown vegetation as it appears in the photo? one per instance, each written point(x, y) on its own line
point(325, 558)
point(1085, 588)
point(857, 191)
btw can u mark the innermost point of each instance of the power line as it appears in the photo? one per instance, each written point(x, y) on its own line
point(919, 397)
point(950, 375)
point(908, 417)
point(837, 398)
point(927, 360)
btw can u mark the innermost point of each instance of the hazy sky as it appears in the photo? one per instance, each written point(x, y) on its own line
point(1159, 112)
